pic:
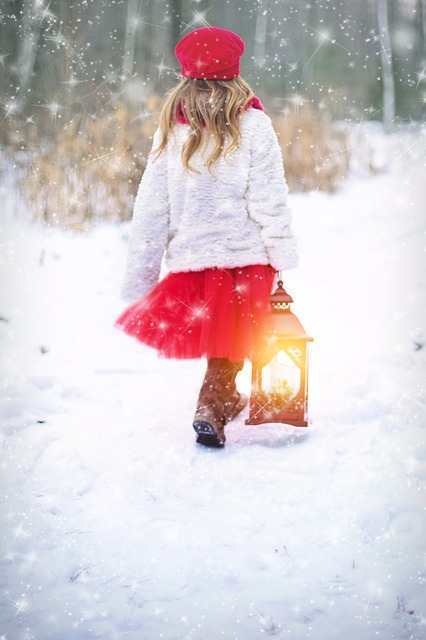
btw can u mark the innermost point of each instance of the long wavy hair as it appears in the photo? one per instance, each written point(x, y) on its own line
point(211, 106)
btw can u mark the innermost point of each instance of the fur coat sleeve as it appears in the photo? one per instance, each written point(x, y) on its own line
point(266, 196)
point(149, 227)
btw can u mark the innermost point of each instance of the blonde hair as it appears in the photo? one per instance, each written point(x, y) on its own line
point(214, 105)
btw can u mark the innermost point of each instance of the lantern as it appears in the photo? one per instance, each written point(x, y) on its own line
point(279, 391)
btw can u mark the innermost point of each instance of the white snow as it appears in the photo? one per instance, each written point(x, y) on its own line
point(116, 525)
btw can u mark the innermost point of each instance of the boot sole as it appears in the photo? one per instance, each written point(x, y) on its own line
point(206, 435)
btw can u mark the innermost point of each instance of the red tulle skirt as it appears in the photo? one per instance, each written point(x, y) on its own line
point(216, 312)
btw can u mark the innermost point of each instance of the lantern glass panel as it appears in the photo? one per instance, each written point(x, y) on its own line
point(281, 376)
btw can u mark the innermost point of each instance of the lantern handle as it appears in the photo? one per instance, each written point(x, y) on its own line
point(280, 276)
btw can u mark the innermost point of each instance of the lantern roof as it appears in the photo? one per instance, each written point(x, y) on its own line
point(287, 325)
point(280, 295)
point(282, 322)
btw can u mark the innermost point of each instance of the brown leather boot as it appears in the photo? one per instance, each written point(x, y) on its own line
point(234, 406)
point(234, 401)
point(208, 419)
point(218, 401)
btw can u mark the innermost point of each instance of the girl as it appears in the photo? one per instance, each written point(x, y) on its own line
point(213, 198)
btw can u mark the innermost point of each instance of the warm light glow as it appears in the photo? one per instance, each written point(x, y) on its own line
point(243, 379)
point(281, 376)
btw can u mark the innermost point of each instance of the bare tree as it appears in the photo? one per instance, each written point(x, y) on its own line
point(387, 66)
point(260, 33)
point(177, 17)
point(130, 37)
point(30, 34)
point(162, 54)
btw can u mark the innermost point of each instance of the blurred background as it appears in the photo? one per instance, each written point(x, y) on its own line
point(82, 84)
point(109, 515)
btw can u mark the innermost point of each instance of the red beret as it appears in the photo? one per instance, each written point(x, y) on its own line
point(210, 52)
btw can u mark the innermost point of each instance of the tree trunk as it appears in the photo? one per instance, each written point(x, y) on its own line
point(260, 34)
point(387, 67)
point(130, 37)
point(31, 27)
point(162, 51)
point(177, 16)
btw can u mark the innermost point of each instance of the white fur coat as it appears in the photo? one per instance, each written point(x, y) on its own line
point(236, 216)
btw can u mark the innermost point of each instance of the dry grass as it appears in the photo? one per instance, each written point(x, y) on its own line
point(90, 173)
point(91, 168)
point(316, 152)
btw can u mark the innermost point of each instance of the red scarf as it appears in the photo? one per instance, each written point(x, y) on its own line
point(255, 103)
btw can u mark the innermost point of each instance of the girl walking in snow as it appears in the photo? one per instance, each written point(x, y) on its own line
point(213, 199)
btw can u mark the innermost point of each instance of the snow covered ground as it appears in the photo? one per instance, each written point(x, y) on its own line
point(116, 525)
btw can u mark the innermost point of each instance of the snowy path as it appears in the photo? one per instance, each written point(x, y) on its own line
point(116, 526)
